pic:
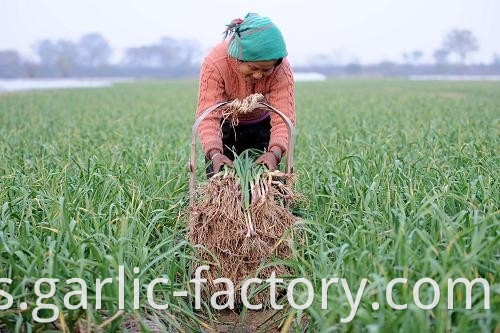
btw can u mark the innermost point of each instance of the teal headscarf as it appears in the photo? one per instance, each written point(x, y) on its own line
point(255, 38)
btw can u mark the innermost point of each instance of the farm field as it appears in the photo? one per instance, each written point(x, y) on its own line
point(401, 180)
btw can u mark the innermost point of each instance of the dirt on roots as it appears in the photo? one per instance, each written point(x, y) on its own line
point(219, 226)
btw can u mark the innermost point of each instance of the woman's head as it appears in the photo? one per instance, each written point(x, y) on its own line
point(256, 70)
point(255, 39)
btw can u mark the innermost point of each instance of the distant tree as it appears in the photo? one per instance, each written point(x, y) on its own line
point(407, 57)
point(191, 50)
point(441, 56)
point(417, 55)
point(47, 52)
point(10, 64)
point(68, 55)
point(353, 68)
point(151, 56)
point(93, 50)
point(496, 59)
point(59, 54)
point(461, 42)
point(168, 53)
point(413, 57)
point(177, 53)
point(9, 57)
point(30, 68)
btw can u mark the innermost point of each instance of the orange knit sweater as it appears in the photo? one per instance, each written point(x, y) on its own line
point(220, 81)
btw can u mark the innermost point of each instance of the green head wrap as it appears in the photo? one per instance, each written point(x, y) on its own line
point(255, 38)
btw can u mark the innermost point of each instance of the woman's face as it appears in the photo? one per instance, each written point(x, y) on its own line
point(255, 71)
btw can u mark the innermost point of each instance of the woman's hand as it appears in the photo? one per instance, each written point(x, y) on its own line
point(271, 158)
point(218, 160)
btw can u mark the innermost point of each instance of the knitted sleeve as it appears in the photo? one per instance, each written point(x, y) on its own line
point(211, 91)
point(281, 96)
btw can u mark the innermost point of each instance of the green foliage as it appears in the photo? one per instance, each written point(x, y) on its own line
point(401, 180)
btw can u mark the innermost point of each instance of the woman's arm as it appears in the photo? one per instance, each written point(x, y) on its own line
point(282, 97)
point(211, 91)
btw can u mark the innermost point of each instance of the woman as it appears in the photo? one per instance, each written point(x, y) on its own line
point(253, 60)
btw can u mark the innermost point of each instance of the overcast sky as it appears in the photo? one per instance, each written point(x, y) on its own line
point(364, 30)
